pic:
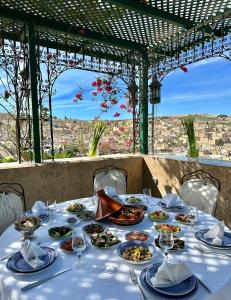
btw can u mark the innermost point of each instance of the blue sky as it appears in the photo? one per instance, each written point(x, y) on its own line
point(205, 88)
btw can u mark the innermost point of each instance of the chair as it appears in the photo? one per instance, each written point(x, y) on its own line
point(200, 189)
point(12, 203)
point(110, 176)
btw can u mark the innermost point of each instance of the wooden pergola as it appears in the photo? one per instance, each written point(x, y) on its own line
point(120, 35)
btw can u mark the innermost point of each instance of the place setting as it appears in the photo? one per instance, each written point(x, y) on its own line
point(172, 202)
point(214, 240)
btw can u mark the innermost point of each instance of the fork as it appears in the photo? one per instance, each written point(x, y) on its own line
point(134, 280)
point(211, 252)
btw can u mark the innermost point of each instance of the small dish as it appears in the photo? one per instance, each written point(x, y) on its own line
point(72, 221)
point(104, 240)
point(168, 227)
point(137, 235)
point(75, 208)
point(140, 252)
point(93, 228)
point(133, 200)
point(158, 216)
point(59, 232)
point(86, 215)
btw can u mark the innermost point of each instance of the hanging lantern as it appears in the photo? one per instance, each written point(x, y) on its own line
point(155, 88)
point(132, 93)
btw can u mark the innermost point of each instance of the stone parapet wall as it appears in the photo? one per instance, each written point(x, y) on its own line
point(70, 179)
point(170, 171)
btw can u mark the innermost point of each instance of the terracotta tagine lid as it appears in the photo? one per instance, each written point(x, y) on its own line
point(106, 206)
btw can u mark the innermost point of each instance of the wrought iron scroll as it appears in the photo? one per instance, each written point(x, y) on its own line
point(15, 94)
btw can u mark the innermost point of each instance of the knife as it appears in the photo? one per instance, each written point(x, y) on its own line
point(39, 282)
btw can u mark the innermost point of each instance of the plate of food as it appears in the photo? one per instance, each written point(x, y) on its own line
point(133, 200)
point(127, 215)
point(167, 228)
point(66, 245)
point(158, 216)
point(185, 219)
point(178, 244)
point(86, 215)
point(137, 235)
point(59, 232)
point(72, 221)
point(104, 240)
point(136, 252)
point(93, 228)
point(75, 207)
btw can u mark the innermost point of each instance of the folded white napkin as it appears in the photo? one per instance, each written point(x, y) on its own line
point(172, 200)
point(39, 208)
point(171, 273)
point(110, 191)
point(216, 233)
point(31, 253)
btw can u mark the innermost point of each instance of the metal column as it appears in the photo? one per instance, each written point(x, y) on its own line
point(34, 92)
point(144, 105)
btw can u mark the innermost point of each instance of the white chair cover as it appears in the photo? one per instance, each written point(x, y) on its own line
point(10, 209)
point(114, 178)
point(200, 194)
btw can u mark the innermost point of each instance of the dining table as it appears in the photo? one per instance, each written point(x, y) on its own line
point(108, 278)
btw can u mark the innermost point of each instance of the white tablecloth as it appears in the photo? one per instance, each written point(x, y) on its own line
point(214, 270)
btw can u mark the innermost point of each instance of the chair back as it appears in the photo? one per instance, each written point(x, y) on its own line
point(200, 189)
point(110, 176)
point(12, 203)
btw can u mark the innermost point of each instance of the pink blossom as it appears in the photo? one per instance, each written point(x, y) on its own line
point(116, 115)
point(123, 106)
point(94, 93)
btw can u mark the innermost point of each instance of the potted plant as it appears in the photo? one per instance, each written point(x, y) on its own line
point(188, 124)
point(100, 127)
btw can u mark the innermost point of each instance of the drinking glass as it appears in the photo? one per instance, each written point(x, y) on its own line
point(166, 241)
point(51, 206)
point(147, 194)
point(79, 244)
point(193, 213)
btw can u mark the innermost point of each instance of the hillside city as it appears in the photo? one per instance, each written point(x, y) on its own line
point(213, 136)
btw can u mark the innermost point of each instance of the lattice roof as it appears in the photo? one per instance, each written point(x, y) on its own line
point(117, 27)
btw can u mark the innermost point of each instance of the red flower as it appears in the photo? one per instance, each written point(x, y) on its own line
point(123, 106)
point(79, 96)
point(7, 94)
point(99, 89)
point(108, 83)
point(114, 101)
point(108, 89)
point(94, 93)
point(99, 82)
point(94, 83)
point(49, 55)
point(116, 115)
point(183, 68)
point(104, 105)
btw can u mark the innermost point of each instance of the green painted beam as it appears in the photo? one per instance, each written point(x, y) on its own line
point(73, 49)
point(153, 12)
point(144, 105)
point(34, 93)
point(66, 28)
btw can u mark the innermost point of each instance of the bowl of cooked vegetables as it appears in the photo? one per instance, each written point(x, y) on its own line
point(75, 207)
point(104, 240)
point(133, 200)
point(59, 232)
point(93, 228)
point(85, 215)
point(136, 252)
point(137, 235)
point(127, 215)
